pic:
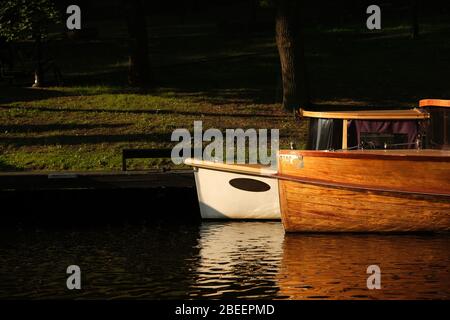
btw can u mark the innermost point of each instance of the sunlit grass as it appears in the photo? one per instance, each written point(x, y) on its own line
point(86, 128)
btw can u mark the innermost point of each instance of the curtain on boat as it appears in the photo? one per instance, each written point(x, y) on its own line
point(396, 134)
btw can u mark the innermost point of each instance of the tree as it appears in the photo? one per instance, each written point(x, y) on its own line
point(28, 19)
point(139, 72)
point(289, 39)
point(415, 19)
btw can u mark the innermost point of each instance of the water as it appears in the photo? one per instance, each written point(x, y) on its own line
point(220, 260)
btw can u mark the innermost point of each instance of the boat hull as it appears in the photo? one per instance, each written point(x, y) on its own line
point(231, 195)
point(321, 192)
point(320, 208)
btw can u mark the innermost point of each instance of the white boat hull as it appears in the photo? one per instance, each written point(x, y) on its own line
point(229, 195)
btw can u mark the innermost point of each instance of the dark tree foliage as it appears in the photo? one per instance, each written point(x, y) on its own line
point(28, 19)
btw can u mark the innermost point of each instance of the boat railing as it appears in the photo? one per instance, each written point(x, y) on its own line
point(386, 146)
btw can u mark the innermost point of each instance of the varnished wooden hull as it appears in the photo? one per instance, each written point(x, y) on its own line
point(324, 192)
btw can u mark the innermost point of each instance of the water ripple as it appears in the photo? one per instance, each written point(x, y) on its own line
point(250, 260)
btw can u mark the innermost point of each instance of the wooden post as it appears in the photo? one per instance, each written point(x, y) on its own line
point(446, 142)
point(344, 133)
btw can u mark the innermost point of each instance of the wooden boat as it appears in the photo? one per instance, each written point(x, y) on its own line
point(234, 191)
point(366, 190)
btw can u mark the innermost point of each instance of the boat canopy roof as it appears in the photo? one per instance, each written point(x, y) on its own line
point(434, 103)
point(409, 114)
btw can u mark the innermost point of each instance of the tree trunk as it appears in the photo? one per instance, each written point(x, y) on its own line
point(38, 71)
point(415, 19)
point(139, 72)
point(289, 40)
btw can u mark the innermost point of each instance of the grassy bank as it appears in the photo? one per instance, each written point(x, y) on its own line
point(86, 128)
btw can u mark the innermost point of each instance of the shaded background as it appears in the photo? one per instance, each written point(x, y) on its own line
point(210, 61)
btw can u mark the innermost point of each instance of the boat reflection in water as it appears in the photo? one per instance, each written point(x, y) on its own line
point(225, 260)
point(238, 260)
point(334, 266)
point(257, 260)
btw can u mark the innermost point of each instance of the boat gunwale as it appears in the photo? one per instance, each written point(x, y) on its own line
point(234, 168)
point(368, 154)
point(358, 187)
point(320, 182)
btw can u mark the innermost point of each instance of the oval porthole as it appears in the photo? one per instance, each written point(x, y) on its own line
point(247, 184)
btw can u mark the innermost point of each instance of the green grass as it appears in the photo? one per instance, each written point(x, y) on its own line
point(86, 129)
point(85, 124)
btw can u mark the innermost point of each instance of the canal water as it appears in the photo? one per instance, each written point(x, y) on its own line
point(254, 260)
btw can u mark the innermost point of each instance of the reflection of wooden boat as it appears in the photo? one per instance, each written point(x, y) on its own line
point(233, 191)
point(334, 267)
point(367, 190)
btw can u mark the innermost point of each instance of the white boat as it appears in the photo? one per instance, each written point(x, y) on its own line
point(233, 191)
